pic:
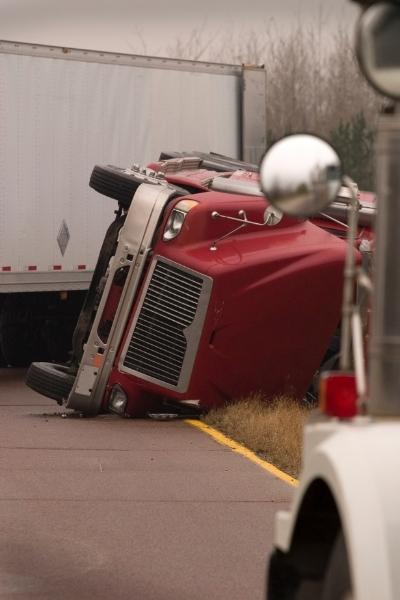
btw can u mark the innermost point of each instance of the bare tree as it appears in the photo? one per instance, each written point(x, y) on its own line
point(313, 83)
point(197, 45)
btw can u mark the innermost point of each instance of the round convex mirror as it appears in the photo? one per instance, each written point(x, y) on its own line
point(378, 47)
point(300, 175)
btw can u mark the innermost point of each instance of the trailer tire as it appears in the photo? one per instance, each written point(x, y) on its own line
point(51, 380)
point(114, 183)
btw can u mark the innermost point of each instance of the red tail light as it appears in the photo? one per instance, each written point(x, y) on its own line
point(338, 394)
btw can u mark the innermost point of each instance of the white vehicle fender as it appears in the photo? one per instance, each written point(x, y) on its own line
point(359, 463)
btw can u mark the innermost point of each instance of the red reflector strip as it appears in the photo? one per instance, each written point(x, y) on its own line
point(81, 267)
point(32, 268)
point(57, 267)
point(6, 268)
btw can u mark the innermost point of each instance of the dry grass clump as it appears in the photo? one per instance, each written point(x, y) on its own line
point(272, 429)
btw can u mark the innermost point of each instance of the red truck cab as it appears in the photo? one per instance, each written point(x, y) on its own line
point(209, 295)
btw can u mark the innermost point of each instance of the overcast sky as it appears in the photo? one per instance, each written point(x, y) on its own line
point(148, 27)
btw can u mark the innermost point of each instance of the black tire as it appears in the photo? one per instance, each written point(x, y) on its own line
point(51, 380)
point(113, 182)
point(337, 579)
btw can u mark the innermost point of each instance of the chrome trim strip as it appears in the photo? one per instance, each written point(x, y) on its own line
point(340, 210)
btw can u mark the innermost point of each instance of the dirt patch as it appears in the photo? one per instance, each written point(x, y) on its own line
point(274, 429)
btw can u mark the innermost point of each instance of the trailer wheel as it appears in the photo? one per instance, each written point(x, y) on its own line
point(337, 580)
point(115, 183)
point(51, 380)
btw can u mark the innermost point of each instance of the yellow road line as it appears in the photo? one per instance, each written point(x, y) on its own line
point(243, 451)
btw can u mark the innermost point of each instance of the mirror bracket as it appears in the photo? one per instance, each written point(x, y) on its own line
point(273, 217)
point(269, 220)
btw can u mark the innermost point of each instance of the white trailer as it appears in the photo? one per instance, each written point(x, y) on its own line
point(63, 110)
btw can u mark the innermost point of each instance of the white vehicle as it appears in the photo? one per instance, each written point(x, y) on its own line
point(341, 538)
point(62, 111)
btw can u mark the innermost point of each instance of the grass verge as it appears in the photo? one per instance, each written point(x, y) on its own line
point(274, 429)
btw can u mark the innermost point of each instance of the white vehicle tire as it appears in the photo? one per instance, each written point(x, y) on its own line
point(337, 580)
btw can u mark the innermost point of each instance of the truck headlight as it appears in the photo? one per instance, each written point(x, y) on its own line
point(177, 218)
point(118, 400)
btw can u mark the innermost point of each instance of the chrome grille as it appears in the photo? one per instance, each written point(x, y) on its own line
point(158, 345)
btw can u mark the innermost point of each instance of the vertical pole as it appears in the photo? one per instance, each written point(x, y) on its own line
point(349, 278)
point(385, 340)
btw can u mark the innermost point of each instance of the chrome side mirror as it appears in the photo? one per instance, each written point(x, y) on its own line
point(378, 47)
point(300, 175)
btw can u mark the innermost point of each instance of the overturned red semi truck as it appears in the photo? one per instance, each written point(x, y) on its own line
point(202, 293)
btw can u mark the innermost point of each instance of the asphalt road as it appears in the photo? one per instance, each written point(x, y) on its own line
point(121, 509)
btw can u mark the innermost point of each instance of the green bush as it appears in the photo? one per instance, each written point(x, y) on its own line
point(354, 141)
